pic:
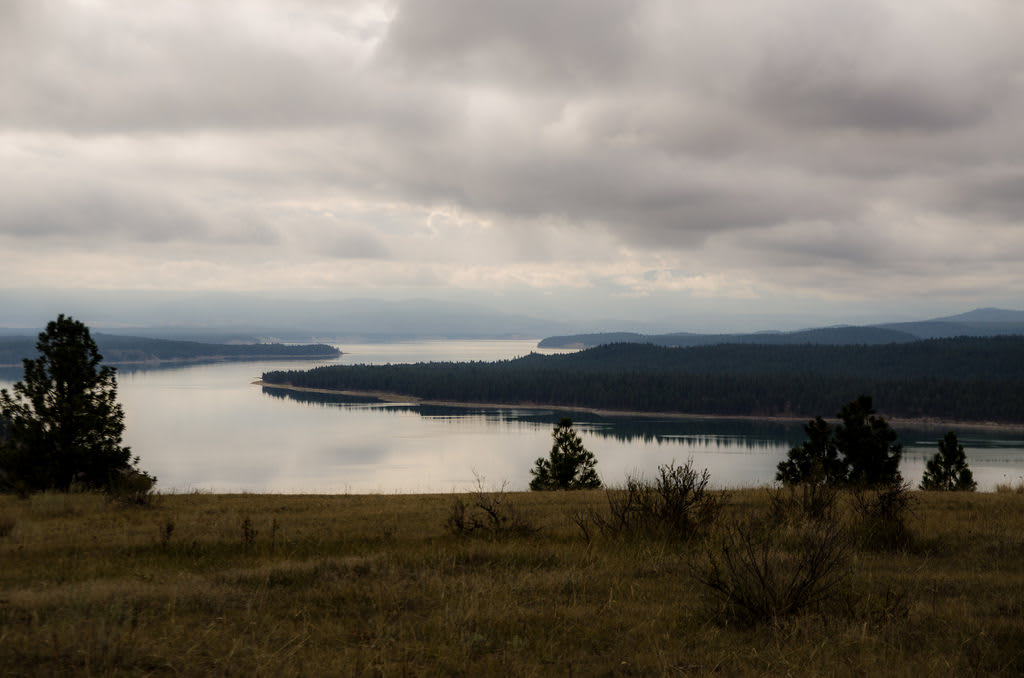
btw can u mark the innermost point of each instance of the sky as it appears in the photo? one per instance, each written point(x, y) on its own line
point(646, 161)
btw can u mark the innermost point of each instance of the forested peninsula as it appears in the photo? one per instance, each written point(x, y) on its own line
point(963, 379)
point(126, 350)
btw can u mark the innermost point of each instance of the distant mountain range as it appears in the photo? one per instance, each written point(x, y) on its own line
point(982, 322)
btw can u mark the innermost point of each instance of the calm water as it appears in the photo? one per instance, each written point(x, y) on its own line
point(208, 427)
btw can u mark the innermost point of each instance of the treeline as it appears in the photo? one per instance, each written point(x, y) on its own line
point(125, 349)
point(963, 379)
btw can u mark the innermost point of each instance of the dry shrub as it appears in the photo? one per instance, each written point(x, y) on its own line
point(757, 572)
point(249, 533)
point(678, 504)
point(487, 513)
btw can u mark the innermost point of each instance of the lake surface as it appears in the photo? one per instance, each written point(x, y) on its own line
point(210, 428)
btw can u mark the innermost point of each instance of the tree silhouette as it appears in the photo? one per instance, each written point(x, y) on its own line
point(868, 444)
point(569, 466)
point(947, 470)
point(63, 421)
point(861, 450)
point(816, 460)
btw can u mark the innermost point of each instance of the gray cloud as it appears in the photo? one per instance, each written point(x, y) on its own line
point(572, 45)
point(655, 134)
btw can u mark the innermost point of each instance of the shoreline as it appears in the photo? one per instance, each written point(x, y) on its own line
point(205, 359)
point(400, 399)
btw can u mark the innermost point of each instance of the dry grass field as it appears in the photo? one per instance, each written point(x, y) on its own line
point(278, 585)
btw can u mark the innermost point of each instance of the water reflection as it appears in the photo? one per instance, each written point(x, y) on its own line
point(703, 433)
point(738, 452)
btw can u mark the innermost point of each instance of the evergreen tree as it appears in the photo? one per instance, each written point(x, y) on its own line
point(868, 444)
point(570, 466)
point(947, 470)
point(816, 460)
point(862, 450)
point(63, 421)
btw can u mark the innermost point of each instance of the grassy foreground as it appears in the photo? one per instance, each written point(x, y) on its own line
point(276, 585)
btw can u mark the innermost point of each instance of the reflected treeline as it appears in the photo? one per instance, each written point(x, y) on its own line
point(624, 428)
point(703, 433)
point(712, 433)
point(322, 399)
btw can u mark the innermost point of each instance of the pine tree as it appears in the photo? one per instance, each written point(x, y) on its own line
point(816, 460)
point(862, 450)
point(947, 470)
point(63, 421)
point(869, 445)
point(569, 466)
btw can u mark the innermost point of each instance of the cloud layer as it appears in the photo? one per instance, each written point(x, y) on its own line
point(783, 149)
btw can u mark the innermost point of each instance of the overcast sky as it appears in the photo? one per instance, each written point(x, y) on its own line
point(638, 157)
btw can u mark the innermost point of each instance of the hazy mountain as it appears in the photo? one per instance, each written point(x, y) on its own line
point(986, 315)
point(982, 322)
point(237, 318)
point(826, 335)
point(987, 322)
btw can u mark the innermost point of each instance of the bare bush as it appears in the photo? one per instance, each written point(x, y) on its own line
point(487, 512)
point(677, 505)
point(757, 573)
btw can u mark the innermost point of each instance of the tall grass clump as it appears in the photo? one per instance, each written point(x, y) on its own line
point(794, 502)
point(881, 515)
point(1011, 488)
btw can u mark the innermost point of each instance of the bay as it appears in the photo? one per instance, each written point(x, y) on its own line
point(211, 428)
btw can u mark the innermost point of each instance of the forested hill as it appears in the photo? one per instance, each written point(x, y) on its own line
point(962, 379)
point(117, 349)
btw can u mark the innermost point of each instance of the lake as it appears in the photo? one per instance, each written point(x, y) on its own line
point(210, 428)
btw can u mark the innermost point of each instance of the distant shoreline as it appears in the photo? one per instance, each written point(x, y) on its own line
point(206, 359)
point(398, 398)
